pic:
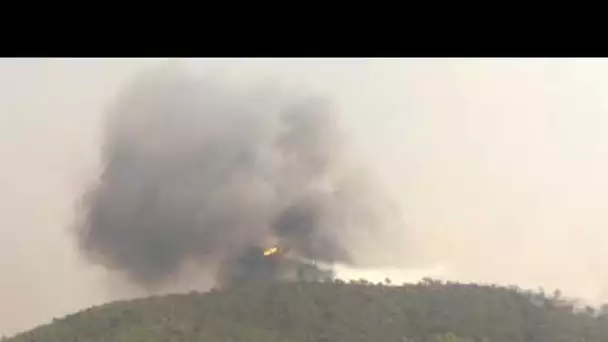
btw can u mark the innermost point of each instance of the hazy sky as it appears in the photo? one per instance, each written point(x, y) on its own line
point(500, 167)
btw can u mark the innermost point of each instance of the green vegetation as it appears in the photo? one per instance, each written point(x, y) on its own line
point(334, 311)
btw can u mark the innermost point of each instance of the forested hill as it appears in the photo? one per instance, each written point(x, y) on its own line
point(299, 312)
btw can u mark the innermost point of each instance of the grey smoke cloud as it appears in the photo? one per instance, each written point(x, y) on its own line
point(198, 170)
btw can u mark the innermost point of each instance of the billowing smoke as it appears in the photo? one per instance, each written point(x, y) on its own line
point(200, 171)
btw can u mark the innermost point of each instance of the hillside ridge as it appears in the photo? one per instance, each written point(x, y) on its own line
point(430, 311)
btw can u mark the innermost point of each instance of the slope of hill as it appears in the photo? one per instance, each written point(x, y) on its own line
point(301, 312)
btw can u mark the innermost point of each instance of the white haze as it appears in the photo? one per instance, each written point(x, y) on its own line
point(500, 168)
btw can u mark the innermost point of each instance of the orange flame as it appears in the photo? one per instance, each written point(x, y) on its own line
point(271, 251)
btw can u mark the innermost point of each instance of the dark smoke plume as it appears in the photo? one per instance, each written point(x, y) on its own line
point(196, 170)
